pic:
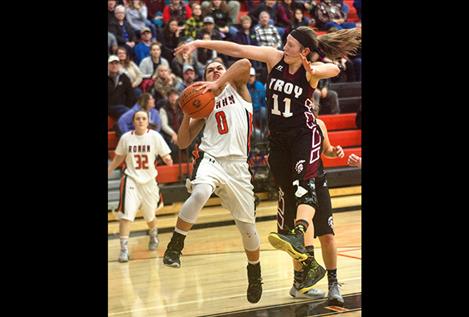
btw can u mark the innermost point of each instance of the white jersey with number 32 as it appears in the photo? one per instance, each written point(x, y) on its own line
point(228, 128)
point(141, 152)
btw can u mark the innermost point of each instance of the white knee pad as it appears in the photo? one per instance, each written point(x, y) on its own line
point(249, 234)
point(191, 208)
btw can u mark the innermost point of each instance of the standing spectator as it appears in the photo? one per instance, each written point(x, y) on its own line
point(119, 89)
point(139, 148)
point(146, 103)
point(137, 13)
point(131, 70)
point(142, 49)
point(171, 118)
point(122, 30)
point(267, 34)
point(149, 64)
point(195, 23)
point(177, 11)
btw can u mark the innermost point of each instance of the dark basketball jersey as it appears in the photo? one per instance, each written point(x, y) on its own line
point(288, 98)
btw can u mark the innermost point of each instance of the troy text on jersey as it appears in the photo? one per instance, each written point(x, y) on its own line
point(288, 88)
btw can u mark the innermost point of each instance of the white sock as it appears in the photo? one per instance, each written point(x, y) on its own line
point(124, 242)
point(254, 262)
point(153, 232)
point(184, 233)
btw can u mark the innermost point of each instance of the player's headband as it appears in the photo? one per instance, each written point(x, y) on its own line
point(306, 41)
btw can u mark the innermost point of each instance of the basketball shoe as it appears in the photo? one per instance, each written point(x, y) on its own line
point(153, 243)
point(334, 298)
point(173, 251)
point(292, 243)
point(254, 291)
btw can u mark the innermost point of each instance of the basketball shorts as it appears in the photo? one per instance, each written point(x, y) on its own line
point(231, 180)
point(135, 196)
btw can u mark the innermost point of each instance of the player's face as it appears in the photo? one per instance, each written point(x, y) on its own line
point(292, 49)
point(214, 71)
point(141, 121)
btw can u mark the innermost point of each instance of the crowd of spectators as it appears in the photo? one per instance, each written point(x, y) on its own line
point(144, 73)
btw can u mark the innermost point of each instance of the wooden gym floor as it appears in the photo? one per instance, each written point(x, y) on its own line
point(212, 279)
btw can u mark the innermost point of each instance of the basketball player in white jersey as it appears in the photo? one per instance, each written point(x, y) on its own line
point(138, 189)
point(221, 165)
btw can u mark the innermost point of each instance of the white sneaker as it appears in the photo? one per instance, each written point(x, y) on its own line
point(153, 244)
point(313, 293)
point(123, 256)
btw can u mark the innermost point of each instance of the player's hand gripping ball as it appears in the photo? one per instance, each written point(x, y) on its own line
point(196, 104)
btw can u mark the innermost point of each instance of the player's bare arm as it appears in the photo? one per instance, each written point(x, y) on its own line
point(167, 159)
point(118, 159)
point(264, 54)
point(328, 149)
point(188, 130)
point(316, 71)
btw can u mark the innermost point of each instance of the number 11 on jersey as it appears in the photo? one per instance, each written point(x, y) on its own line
point(287, 103)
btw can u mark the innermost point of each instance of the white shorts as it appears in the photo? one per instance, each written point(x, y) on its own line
point(231, 181)
point(135, 196)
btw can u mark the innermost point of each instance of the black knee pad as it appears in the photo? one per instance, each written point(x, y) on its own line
point(305, 192)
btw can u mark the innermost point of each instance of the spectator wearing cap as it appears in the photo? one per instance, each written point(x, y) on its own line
point(132, 71)
point(195, 23)
point(142, 49)
point(122, 30)
point(149, 64)
point(210, 28)
point(181, 12)
point(257, 91)
point(120, 93)
point(188, 76)
point(182, 60)
point(137, 14)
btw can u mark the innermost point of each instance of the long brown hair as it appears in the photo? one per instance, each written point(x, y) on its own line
point(143, 101)
point(337, 44)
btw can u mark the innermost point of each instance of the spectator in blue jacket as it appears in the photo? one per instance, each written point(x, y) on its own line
point(257, 92)
point(145, 102)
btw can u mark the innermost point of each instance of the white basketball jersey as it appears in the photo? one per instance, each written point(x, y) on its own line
point(141, 151)
point(228, 128)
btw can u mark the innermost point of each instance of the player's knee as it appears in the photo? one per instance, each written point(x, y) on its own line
point(326, 239)
point(305, 192)
point(249, 234)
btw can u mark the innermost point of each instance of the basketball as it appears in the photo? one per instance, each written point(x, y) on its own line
point(195, 104)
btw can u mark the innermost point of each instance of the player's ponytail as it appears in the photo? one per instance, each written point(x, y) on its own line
point(342, 43)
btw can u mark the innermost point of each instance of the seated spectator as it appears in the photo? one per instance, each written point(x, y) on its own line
point(149, 64)
point(329, 100)
point(145, 102)
point(210, 28)
point(178, 11)
point(257, 91)
point(267, 34)
point(122, 30)
point(170, 39)
point(164, 82)
point(171, 118)
point(119, 89)
point(195, 23)
point(329, 15)
point(219, 11)
point(142, 49)
point(111, 44)
point(131, 70)
point(203, 54)
point(246, 35)
point(180, 60)
point(188, 76)
point(155, 11)
point(137, 14)
point(234, 7)
point(267, 6)
point(111, 16)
